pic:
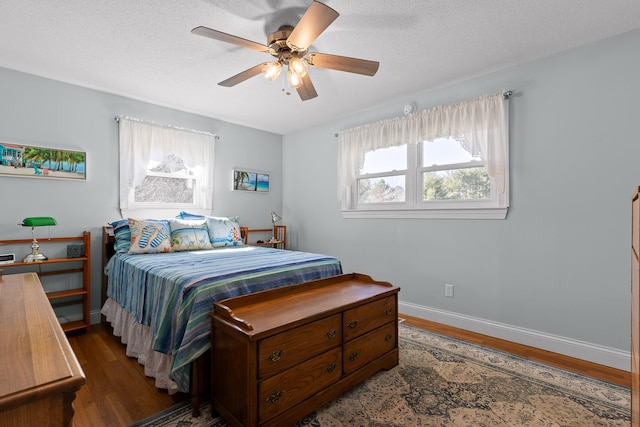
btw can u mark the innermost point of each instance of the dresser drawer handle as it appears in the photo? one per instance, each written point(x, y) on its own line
point(353, 356)
point(275, 396)
point(331, 367)
point(388, 311)
point(388, 338)
point(353, 323)
point(331, 333)
point(275, 356)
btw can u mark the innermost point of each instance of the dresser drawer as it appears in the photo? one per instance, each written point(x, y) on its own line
point(282, 351)
point(290, 387)
point(367, 317)
point(368, 347)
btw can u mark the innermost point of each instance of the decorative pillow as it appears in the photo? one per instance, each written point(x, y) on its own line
point(122, 234)
point(224, 231)
point(189, 234)
point(149, 236)
point(187, 215)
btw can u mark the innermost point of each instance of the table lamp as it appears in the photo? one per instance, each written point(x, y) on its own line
point(275, 218)
point(33, 222)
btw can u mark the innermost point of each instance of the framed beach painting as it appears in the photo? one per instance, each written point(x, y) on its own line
point(244, 180)
point(40, 162)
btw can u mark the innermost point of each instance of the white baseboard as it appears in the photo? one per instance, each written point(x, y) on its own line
point(95, 317)
point(606, 356)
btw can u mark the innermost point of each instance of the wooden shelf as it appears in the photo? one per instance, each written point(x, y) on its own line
point(267, 243)
point(73, 326)
point(47, 261)
point(67, 293)
point(278, 231)
point(82, 293)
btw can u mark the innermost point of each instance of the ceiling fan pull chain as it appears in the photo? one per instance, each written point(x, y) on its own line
point(284, 81)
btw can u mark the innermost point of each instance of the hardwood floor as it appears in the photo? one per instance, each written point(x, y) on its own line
point(117, 392)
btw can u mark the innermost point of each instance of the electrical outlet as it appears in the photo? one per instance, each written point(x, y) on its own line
point(448, 290)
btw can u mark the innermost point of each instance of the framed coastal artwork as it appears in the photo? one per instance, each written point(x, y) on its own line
point(244, 180)
point(39, 162)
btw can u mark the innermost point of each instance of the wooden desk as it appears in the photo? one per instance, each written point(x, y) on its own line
point(39, 374)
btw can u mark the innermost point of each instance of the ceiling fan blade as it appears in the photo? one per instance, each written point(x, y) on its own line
point(343, 63)
point(245, 75)
point(224, 37)
point(314, 21)
point(306, 90)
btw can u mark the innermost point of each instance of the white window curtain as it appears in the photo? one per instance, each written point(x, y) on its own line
point(481, 124)
point(142, 142)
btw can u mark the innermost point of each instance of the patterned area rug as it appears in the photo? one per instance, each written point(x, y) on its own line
point(445, 382)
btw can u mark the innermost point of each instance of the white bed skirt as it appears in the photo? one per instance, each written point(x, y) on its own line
point(138, 340)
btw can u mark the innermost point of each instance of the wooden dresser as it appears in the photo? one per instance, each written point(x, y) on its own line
point(278, 355)
point(39, 374)
point(635, 309)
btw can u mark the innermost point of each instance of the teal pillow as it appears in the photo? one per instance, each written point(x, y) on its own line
point(189, 234)
point(187, 215)
point(122, 234)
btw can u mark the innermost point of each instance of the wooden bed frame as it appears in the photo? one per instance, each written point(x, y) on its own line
point(200, 368)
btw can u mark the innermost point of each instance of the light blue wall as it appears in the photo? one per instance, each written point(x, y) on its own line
point(559, 264)
point(43, 112)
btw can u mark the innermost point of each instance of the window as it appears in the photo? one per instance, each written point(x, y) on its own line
point(413, 166)
point(163, 167)
point(383, 177)
point(449, 172)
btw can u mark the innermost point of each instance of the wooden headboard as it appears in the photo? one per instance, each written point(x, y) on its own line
point(108, 242)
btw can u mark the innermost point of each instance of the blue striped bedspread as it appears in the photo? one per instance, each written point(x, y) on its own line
point(173, 293)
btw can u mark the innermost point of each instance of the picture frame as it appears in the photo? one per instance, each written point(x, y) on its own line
point(30, 161)
point(246, 180)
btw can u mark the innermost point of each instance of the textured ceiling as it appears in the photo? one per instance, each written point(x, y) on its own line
point(144, 49)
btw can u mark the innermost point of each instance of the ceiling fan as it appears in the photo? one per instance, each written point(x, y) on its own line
point(289, 46)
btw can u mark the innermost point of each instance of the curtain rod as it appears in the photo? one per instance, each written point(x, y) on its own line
point(505, 95)
point(117, 119)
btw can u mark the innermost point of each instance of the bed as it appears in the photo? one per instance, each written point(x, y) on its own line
point(158, 303)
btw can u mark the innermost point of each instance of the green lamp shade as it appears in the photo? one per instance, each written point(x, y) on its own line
point(38, 221)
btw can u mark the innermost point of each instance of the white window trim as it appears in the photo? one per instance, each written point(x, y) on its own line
point(490, 135)
point(469, 213)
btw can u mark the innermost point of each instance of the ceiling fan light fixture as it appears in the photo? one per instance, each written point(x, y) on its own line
point(295, 80)
point(298, 65)
point(289, 46)
point(271, 70)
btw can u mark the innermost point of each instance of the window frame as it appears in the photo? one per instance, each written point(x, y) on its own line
point(496, 207)
point(414, 206)
point(439, 204)
point(144, 143)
